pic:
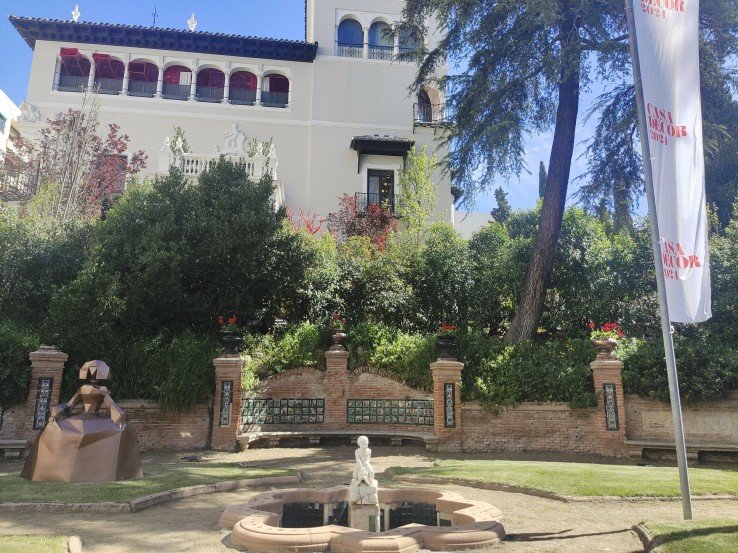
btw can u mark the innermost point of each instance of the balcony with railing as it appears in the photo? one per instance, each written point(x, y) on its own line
point(377, 52)
point(364, 200)
point(275, 99)
point(430, 114)
point(175, 91)
point(143, 89)
point(348, 50)
point(242, 96)
point(18, 182)
point(212, 94)
point(108, 86)
point(72, 83)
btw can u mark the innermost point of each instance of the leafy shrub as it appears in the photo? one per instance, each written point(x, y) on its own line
point(707, 367)
point(408, 357)
point(362, 341)
point(301, 345)
point(528, 371)
point(16, 342)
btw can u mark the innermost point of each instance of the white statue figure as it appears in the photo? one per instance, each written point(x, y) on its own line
point(364, 486)
point(167, 144)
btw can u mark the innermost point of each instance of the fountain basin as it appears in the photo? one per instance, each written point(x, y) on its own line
point(411, 519)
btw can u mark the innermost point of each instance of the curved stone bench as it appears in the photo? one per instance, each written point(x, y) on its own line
point(256, 524)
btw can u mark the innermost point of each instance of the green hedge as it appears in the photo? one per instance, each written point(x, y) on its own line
point(16, 342)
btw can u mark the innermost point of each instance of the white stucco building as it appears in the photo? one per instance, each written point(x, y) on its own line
point(9, 112)
point(336, 106)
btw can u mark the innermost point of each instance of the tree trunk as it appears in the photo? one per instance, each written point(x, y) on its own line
point(530, 306)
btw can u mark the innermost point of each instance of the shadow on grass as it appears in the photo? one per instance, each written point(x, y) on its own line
point(679, 535)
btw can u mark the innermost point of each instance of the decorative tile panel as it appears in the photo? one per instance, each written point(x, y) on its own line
point(390, 411)
point(283, 411)
point(43, 400)
point(449, 406)
point(612, 422)
point(226, 400)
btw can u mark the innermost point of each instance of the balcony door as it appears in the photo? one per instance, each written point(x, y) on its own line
point(381, 188)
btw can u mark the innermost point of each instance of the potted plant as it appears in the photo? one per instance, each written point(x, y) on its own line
point(338, 334)
point(605, 338)
point(230, 334)
point(446, 341)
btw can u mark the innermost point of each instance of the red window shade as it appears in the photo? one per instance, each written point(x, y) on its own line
point(100, 57)
point(278, 83)
point(68, 52)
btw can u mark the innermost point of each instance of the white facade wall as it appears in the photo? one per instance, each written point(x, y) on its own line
point(332, 100)
point(9, 113)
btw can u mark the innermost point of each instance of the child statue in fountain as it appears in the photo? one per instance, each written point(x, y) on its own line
point(364, 486)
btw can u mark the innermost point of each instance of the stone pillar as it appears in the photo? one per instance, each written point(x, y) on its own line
point(126, 78)
point(365, 53)
point(447, 403)
point(227, 404)
point(226, 90)
point(336, 379)
point(193, 84)
point(396, 45)
point(91, 77)
point(259, 80)
point(47, 368)
point(160, 81)
point(607, 374)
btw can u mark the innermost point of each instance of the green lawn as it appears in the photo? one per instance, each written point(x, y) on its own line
point(31, 544)
point(696, 536)
point(158, 477)
point(584, 479)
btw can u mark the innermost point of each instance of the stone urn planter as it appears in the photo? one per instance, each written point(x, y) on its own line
point(446, 346)
point(338, 335)
point(605, 347)
point(230, 341)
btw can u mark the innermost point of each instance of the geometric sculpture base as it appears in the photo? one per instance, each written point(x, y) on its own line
point(86, 447)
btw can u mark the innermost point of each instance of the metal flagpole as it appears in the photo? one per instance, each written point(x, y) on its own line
point(676, 405)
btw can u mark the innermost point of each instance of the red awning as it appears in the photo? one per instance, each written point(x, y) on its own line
point(100, 57)
point(68, 52)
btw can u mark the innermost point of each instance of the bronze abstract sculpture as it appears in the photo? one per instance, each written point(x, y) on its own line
point(88, 446)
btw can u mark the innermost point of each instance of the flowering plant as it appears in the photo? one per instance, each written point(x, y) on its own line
point(446, 330)
point(228, 322)
point(338, 321)
point(606, 331)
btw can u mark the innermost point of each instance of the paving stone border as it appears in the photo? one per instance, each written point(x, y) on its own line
point(495, 486)
point(145, 501)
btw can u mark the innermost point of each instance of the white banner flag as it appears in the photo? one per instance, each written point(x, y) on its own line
point(667, 33)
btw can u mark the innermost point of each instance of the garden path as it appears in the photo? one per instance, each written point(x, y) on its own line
point(190, 525)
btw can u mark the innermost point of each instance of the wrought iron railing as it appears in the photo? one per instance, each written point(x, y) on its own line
point(18, 184)
point(275, 99)
point(377, 52)
point(213, 94)
point(243, 97)
point(175, 91)
point(346, 50)
point(366, 199)
point(71, 83)
point(108, 86)
point(430, 113)
point(145, 89)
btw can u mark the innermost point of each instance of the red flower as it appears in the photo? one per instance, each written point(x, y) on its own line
point(591, 324)
point(620, 333)
point(221, 321)
point(232, 320)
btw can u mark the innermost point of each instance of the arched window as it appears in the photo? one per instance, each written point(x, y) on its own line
point(177, 81)
point(350, 39)
point(243, 88)
point(142, 77)
point(74, 70)
point(210, 85)
point(276, 91)
point(108, 74)
point(381, 41)
point(424, 111)
point(409, 40)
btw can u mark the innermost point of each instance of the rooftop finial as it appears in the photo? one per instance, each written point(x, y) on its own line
point(75, 13)
point(192, 22)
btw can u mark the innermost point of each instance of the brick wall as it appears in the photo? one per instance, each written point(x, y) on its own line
point(530, 427)
point(704, 423)
point(156, 429)
point(336, 386)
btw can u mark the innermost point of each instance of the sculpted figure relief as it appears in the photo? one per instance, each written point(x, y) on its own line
point(364, 487)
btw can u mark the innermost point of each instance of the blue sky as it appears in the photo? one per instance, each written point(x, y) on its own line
point(270, 18)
